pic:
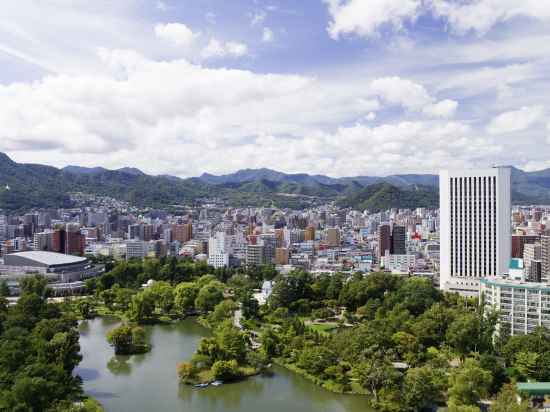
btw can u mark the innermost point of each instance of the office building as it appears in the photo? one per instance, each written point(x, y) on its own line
point(398, 245)
point(333, 237)
point(384, 240)
point(182, 233)
point(475, 233)
point(545, 256)
point(254, 255)
point(519, 242)
point(522, 306)
point(282, 256)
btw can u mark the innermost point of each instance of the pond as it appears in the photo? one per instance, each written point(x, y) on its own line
point(149, 382)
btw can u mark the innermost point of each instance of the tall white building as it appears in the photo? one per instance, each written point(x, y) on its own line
point(219, 249)
point(475, 232)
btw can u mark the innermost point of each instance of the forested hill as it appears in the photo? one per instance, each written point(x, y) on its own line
point(382, 196)
point(29, 186)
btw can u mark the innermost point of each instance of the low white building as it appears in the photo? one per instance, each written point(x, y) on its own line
point(522, 306)
point(399, 263)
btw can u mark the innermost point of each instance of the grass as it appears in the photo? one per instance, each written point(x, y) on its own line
point(323, 328)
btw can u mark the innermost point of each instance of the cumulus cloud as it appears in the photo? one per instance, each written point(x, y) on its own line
point(444, 108)
point(219, 49)
point(365, 18)
point(412, 96)
point(176, 33)
point(515, 120)
point(170, 117)
point(267, 35)
point(481, 15)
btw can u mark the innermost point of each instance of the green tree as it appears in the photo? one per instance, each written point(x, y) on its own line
point(35, 284)
point(315, 359)
point(226, 370)
point(507, 401)
point(463, 334)
point(423, 388)
point(223, 310)
point(4, 289)
point(85, 308)
point(209, 296)
point(469, 384)
point(375, 374)
point(185, 295)
point(186, 371)
point(232, 343)
point(121, 339)
point(142, 307)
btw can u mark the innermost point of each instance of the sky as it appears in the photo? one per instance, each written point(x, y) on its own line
point(334, 87)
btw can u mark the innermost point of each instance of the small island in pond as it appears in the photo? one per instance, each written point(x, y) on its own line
point(225, 357)
point(128, 340)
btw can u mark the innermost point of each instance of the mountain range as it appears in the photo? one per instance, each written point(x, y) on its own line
point(28, 186)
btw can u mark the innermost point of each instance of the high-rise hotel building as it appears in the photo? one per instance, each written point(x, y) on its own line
point(475, 227)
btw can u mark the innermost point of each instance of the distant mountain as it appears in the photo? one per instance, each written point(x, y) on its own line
point(36, 186)
point(382, 196)
point(79, 170)
point(251, 175)
point(131, 171)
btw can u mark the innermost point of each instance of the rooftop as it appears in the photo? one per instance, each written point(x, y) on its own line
point(50, 258)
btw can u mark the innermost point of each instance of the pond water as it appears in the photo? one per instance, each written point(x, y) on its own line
point(149, 382)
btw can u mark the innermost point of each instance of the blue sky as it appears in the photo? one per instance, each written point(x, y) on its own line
point(339, 87)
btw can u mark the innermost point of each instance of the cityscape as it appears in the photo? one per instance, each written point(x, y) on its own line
point(333, 205)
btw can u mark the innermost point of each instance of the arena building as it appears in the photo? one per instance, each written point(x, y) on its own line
point(56, 267)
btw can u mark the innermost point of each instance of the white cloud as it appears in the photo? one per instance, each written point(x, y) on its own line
point(186, 122)
point(219, 49)
point(412, 96)
point(515, 120)
point(481, 15)
point(444, 109)
point(365, 18)
point(176, 33)
point(401, 91)
point(267, 35)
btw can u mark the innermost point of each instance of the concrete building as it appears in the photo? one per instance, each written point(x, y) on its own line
point(519, 242)
point(136, 249)
point(333, 237)
point(282, 256)
point(532, 252)
point(182, 233)
point(384, 240)
point(475, 220)
point(219, 250)
point(43, 241)
point(545, 257)
point(398, 236)
point(522, 306)
point(254, 255)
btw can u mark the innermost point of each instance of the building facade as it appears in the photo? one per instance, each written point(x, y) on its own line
point(475, 227)
point(522, 306)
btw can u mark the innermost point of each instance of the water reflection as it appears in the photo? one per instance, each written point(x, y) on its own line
point(119, 365)
point(149, 382)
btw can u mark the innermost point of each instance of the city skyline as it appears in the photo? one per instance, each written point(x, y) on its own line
point(292, 87)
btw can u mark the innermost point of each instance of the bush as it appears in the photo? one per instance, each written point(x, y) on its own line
point(226, 370)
